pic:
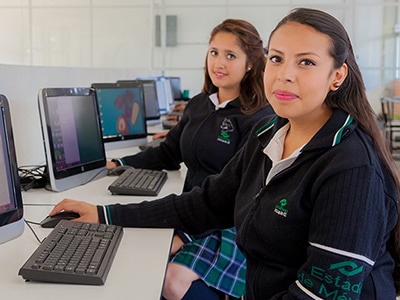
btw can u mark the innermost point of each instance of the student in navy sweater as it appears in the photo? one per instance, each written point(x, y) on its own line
point(214, 126)
point(314, 192)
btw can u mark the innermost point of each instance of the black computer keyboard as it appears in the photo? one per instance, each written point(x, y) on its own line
point(151, 144)
point(141, 182)
point(168, 124)
point(74, 252)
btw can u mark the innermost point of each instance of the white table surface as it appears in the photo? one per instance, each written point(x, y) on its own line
point(138, 268)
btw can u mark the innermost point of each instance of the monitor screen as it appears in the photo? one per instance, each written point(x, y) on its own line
point(164, 93)
point(122, 114)
point(152, 107)
point(175, 87)
point(71, 131)
point(11, 210)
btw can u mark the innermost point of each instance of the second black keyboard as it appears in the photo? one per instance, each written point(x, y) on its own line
point(140, 182)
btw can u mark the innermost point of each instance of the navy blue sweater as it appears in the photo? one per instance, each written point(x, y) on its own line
point(319, 230)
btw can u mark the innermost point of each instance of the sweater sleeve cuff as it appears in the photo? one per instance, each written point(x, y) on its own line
point(183, 236)
point(101, 211)
point(118, 161)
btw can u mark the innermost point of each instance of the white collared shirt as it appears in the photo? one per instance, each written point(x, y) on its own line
point(274, 151)
point(214, 99)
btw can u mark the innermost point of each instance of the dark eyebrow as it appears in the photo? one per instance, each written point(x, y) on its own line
point(307, 53)
point(298, 54)
point(269, 50)
point(223, 50)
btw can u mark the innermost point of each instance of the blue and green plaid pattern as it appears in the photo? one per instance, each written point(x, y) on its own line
point(217, 261)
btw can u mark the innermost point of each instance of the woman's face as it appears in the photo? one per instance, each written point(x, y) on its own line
point(299, 73)
point(226, 63)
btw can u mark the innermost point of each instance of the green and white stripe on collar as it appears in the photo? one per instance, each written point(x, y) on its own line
point(266, 127)
point(338, 136)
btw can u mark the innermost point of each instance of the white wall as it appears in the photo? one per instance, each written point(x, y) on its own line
point(76, 42)
point(21, 84)
point(120, 33)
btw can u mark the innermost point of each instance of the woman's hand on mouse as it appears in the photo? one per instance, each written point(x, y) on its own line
point(160, 135)
point(88, 212)
point(110, 165)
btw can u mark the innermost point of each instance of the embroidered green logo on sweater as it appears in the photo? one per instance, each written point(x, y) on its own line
point(347, 268)
point(340, 281)
point(226, 127)
point(280, 208)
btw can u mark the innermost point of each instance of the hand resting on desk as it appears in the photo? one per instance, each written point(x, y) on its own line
point(88, 212)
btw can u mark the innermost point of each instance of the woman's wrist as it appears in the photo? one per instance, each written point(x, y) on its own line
point(117, 162)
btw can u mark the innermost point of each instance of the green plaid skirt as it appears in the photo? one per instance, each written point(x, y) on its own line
point(217, 261)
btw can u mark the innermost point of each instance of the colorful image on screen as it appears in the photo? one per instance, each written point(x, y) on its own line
point(121, 111)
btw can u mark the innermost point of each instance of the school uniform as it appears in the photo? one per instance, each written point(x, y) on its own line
point(206, 137)
point(318, 228)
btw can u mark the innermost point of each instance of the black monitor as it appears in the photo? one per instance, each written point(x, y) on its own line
point(176, 87)
point(122, 114)
point(152, 106)
point(11, 209)
point(164, 93)
point(72, 136)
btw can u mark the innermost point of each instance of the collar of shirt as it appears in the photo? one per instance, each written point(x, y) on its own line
point(215, 101)
point(274, 150)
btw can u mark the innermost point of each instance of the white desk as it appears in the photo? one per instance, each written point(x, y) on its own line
point(156, 127)
point(138, 268)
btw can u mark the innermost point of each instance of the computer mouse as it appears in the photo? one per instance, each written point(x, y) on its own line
point(51, 222)
point(118, 170)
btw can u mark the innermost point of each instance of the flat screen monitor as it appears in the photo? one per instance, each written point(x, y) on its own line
point(72, 136)
point(164, 93)
point(11, 209)
point(176, 87)
point(152, 107)
point(122, 114)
